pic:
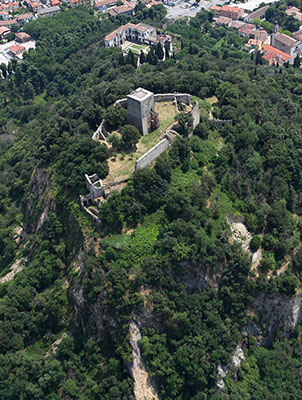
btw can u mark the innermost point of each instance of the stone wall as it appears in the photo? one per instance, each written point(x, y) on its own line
point(180, 97)
point(121, 102)
point(152, 154)
point(101, 133)
point(195, 114)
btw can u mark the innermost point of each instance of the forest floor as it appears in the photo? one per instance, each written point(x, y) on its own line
point(121, 166)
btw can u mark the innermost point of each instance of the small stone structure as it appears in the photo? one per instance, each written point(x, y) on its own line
point(152, 154)
point(141, 109)
point(96, 189)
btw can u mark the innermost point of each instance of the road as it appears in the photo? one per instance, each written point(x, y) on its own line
point(181, 11)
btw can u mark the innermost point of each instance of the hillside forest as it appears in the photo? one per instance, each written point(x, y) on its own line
point(163, 255)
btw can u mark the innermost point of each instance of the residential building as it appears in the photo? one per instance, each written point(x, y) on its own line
point(298, 35)
point(222, 21)
point(231, 12)
point(246, 30)
point(275, 56)
point(260, 13)
point(22, 37)
point(140, 33)
point(125, 9)
point(215, 9)
point(34, 6)
point(13, 6)
point(25, 17)
point(16, 51)
point(48, 11)
point(4, 15)
point(103, 5)
point(54, 3)
point(236, 24)
point(260, 34)
point(295, 12)
point(254, 44)
point(9, 23)
point(4, 32)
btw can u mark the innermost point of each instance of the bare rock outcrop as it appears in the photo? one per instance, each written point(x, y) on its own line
point(276, 313)
point(144, 387)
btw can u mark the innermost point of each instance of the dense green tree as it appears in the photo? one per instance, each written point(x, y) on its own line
point(130, 136)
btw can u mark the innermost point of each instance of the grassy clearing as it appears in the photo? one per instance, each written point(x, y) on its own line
point(212, 100)
point(119, 242)
point(144, 238)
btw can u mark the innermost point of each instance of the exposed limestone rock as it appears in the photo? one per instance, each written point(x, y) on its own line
point(55, 344)
point(240, 233)
point(238, 356)
point(144, 387)
point(15, 268)
point(277, 314)
point(19, 234)
point(222, 372)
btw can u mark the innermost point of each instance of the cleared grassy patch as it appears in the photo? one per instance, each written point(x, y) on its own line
point(119, 242)
point(212, 100)
point(144, 238)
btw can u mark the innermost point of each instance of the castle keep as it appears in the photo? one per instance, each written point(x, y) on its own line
point(141, 110)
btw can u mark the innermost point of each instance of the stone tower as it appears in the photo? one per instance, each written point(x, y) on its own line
point(140, 104)
point(275, 33)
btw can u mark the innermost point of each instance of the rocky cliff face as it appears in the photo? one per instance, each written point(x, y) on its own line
point(39, 202)
point(273, 314)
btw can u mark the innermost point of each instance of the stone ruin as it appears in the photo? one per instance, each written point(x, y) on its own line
point(96, 190)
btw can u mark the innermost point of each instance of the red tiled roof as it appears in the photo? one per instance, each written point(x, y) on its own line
point(100, 3)
point(25, 16)
point(231, 9)
point(271, 54)
point(122, 9)
point(246, 29)
point(223, 20)
point(9, 22)
point(3, 29)
point(16, 48)
point(215, 8)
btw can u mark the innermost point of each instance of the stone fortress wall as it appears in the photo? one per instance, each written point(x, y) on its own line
point(195, 114)
point(152, 154)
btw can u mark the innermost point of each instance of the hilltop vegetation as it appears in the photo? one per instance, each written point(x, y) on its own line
point(162, 254)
